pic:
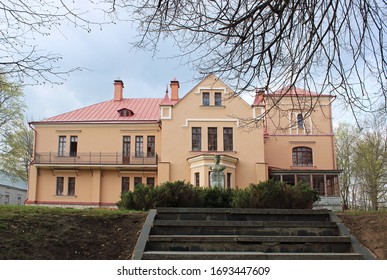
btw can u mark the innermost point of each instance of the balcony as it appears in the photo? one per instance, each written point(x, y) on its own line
point(49, 158)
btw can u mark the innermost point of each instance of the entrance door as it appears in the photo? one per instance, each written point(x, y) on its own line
point(126, 150)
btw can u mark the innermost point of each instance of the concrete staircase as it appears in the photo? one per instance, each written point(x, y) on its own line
point(253, 234)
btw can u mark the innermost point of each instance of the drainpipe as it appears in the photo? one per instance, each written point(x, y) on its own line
point(34, 147)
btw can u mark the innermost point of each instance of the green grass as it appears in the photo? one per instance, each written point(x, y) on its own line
point(7, 211)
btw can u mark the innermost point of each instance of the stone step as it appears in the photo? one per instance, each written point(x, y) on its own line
point(282, 228)
point(301, 244)
point(169, 255)
point(227, 214)
point(250, 238)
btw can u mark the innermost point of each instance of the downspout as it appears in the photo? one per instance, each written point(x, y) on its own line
point(32, 160)
point(332, 137)
point(34, 147)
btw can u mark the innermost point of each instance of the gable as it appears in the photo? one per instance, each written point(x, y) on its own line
point(221, 102)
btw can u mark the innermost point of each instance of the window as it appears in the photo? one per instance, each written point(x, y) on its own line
point(332, 185)
point(125, 112)
point(302, 156)
point(126, 149)
point(19, 200)
point(228, 181)
point(137, 181)
point(6, 199)
point(73, 146)
point(318, 184)
point(218, 99)
point(227, 139)
point(212, 139)
point(62, 146)
point(196, 139)
point(150, 181)
point(304, 179)
point(139, 146)
point(206, 99)
point(71, 186)
point(150, 149)
point(124, 184)
point(300, 121)
point(288, 179)
point(59, 185)
point(197, 179)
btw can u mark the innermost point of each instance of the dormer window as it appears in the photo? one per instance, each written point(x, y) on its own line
point(125, 112)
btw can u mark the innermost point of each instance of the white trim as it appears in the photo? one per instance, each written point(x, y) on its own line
point(295, 127)
point(211, 164)
point(210, 120)
point(200, 89)
point(169, 115)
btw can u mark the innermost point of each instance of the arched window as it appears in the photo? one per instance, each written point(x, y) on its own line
point(302, 156)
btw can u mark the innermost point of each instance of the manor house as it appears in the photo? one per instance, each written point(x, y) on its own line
point(89, 156)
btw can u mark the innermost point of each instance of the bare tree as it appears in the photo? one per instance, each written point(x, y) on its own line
point(21, 23)
point(326, 46)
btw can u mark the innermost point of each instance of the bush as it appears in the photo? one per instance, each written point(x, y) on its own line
point(276, 194)
point(177, 194)
point(142, 198)
point(269, 194)
point(216, 197)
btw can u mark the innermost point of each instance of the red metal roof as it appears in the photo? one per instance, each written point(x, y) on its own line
point(144, 109)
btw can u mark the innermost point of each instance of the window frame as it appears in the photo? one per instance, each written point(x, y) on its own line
point(206, 99)
point(300, 121)
point(137, 181)
point(71, 186)
point(59, 185)
point(73, 146)
point(197, 179)
point(151, 146)
point(218, 99)
point(212, 139)
point(62, 145)
point(196, 138)
point(125, 184)
point(228, 139)
point(149, 181)
point(139, 146)
point(302, 156)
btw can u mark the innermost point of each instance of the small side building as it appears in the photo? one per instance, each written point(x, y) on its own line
point(13, 191)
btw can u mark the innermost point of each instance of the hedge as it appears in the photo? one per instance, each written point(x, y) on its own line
point(269, 194)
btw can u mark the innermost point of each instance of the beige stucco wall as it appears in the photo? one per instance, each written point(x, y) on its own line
point(189, 112)
point(283, 137)
point(94, 184)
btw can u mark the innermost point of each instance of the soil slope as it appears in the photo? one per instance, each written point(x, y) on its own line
point(111, 235)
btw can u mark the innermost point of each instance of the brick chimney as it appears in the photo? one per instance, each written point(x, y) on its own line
point(174, 89)
point(118, 90)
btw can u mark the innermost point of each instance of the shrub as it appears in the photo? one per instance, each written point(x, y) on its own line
point(269, 194)
point(177, 194)
point(216, 197)
point(276, 194)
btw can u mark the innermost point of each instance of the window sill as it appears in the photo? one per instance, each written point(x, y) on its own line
point(213, 152)
point(65, 196)
point(212, 106)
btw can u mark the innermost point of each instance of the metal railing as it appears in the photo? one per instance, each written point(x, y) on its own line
point(94, 159)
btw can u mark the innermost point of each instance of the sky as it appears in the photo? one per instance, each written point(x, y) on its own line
point(106, 54)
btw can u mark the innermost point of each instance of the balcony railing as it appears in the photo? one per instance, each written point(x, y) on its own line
point(94, 159)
